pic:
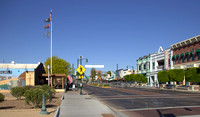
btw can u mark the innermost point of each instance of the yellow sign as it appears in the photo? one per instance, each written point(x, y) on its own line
point(80, 69)
point(81, 76)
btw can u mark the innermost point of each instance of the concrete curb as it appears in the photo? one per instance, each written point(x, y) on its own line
point(57, 113)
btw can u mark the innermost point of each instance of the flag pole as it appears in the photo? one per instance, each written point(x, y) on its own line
point(51, 40)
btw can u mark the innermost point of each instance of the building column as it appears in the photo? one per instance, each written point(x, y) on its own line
point(62, 82)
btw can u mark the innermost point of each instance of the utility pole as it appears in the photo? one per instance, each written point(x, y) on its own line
point(117, 75)
point(81, 85)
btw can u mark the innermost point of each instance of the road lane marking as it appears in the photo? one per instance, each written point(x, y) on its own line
point(155, 108)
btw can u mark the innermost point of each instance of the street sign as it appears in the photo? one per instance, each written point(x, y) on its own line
point(80, 69)
point(94, 66)
point(81, 76)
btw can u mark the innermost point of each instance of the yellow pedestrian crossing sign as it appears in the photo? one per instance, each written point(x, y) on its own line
point(80, 69)
point(81, 76)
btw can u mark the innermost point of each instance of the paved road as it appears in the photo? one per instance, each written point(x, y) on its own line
point(145, 102)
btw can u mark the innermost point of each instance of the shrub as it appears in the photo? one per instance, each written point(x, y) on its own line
point(127, 78)
point(139, 77)
point(106, 85)
point(18, 92)
point(95, 84)
point(192, 75)
point(163, 76)
point(176, 75)
point(101, 85)
point(48, 89)
point(1, 97)
point(34, 97)
point(28, 87)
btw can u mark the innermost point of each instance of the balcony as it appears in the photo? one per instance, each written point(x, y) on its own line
point(161, 67)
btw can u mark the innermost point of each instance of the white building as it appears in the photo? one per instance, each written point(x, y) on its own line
point(124, 72)
point(161, 60)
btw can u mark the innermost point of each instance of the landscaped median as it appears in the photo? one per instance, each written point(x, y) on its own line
point(17, 106)
point(101, 85)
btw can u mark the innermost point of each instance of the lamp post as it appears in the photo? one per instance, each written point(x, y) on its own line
point(48, 75)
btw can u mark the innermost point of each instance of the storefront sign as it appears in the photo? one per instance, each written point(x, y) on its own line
point(166, 60)
point(6, 72)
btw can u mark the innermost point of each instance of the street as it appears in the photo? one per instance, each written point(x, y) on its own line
point(147, 102)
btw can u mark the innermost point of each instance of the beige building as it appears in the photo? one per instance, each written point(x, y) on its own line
point(15, 74)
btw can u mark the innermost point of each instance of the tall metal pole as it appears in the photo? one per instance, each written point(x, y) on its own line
point(81, 85)
point(48, 76)
point(117, 75)
point(77, 62)
point(51, 39)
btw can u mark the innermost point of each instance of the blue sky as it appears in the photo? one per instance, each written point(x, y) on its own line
point(107, 32)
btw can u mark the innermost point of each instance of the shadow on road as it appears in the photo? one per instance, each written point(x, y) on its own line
point(165, 115)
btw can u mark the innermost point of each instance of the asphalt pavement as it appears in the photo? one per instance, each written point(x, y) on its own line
point(143, 102)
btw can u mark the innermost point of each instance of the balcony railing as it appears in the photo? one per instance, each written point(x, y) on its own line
point(160, 67)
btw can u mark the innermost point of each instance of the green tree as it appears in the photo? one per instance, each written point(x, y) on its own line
point(192, 75)
point(93, 73)
point(136, 77)
point(176, 75)
point(126, 78)
point(140, 78)
point(60, 66)
point(99, 74)
point(163, 76)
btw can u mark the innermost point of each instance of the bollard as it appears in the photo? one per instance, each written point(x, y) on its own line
point(43, 109)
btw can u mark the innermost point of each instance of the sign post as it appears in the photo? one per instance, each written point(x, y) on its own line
point(81, 70)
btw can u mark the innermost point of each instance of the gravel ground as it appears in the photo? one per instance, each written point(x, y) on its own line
point(12, 107)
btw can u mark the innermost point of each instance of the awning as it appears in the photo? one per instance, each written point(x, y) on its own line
point(177, 56)
point(187, 53)
point(197, 50)
point(182, 54)
point(173, 57)
point(192, 52)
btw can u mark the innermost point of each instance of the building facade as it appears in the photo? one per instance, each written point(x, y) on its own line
point(186, 53)
point(13, 74)
point(161, 60)
point(143, 66)
point(124, 72)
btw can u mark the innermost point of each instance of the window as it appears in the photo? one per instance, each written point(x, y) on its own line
point(198, 55)
point(153, 65)
point(174, 61)
point(178, 60)
point(144, 66)
point(188, 58)
point(182, 57)
point(193, 57)
point(139, 67)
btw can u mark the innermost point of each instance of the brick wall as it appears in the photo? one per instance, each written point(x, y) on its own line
point(185, 49)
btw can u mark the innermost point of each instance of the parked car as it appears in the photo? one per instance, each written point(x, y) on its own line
point(169, 86)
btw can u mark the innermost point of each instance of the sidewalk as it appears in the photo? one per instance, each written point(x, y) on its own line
point(76, 105)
